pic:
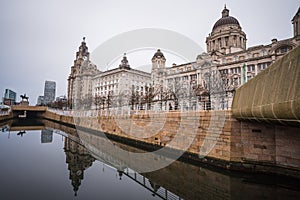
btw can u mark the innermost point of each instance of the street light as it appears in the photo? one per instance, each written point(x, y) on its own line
point(208, 75)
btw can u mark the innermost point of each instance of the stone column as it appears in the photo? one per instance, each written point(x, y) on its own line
point(255, 66)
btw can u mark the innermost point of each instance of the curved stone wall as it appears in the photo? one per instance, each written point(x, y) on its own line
point(273, 95)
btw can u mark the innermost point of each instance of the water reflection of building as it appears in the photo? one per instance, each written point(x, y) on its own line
point(46, 136)
point(78, 160)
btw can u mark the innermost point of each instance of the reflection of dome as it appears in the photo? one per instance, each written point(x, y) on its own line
point(226, 19)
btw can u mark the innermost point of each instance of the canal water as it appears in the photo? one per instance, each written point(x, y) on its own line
point(45, 160)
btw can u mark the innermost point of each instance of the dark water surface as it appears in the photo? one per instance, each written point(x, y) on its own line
point(52, 163)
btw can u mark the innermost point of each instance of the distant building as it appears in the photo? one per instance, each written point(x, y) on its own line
point(9, 97)
point(49, 92)
point(40, 100)
point(61, 98)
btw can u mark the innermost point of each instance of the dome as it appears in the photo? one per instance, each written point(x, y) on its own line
point(158, 54)
point(226, 19)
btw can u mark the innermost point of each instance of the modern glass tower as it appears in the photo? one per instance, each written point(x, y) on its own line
point(49, 92)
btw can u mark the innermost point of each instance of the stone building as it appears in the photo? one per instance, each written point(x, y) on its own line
point(209, 82)
point(79, 81)
point(237, 64)
point(119, 85)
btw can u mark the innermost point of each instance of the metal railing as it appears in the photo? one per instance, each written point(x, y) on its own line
point(3, 113)
point(156, 190)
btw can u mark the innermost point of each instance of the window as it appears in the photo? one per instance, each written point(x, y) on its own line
point(262, 66)
point(226, 41)
point(250, 68)
point(194, 77)
point(236, 70)
point(234, 40)
point(224, 71)
point(236, 81)
point(263, 52)
point(283, 50)
point(223, 60)
point(219, 42)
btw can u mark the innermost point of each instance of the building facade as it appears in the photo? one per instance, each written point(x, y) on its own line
point(49, 92)
point(120, 86)
point(209, 82)
point(79, 81)
point(40, 100)
point(9, 97)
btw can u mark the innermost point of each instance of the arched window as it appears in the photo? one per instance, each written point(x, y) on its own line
point(283, 49)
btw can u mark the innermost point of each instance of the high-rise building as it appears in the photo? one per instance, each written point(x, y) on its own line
point(49, 92)
point(40, 100)
point(9, 97)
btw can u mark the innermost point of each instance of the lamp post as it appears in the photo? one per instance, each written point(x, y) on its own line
point(208, 75)
point(224, 87)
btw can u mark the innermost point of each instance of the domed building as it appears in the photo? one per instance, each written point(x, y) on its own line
point(226, 36)
point(209, 82)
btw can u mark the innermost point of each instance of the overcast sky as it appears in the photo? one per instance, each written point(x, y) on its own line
point(39, 38)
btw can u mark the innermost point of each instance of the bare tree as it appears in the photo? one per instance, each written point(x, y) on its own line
point(97, 101)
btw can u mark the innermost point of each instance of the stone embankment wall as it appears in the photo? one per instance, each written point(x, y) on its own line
point(273, 95)
point(213, 137)
point(6, 117)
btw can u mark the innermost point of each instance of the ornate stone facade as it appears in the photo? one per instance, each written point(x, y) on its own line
point(117, 87)
point(79, 81)
point(207, 83)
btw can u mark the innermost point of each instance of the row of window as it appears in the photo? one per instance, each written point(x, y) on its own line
point(180, 69)
point(111, 92)
point(114, 87)
point(108, 82)
point(115, 78)
point(243, 57)
point(250, 68)
point(219, 42)
point(183, 78)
